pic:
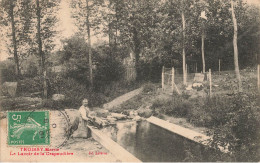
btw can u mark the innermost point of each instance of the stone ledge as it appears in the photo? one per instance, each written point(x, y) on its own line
point(119, 152)
point(184, 132)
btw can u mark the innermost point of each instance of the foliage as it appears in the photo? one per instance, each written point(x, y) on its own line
point(108, 68)
point(234, 122)
point(80, 13)
point(75, 91)
point(240, 132)
point(149, 88)
point(7, 71)
point(175, 106)
point(74, 57)
point(29, 86)
point(16, 15)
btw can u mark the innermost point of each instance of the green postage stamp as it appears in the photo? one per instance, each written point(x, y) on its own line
point(28, 128)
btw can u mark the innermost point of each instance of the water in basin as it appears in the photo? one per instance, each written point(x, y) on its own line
point(152, 143)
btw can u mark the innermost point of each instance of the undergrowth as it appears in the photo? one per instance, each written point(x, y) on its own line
point(234, 120)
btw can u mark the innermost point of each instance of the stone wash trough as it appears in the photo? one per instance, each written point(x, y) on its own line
point(139, 136)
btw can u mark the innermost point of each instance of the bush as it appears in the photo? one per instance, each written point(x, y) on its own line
point(51, 104)
point(32, 70)
point(7, 71)
point(149, 87)
point(175, 106)
point(108, 70)
point(234, 121)
point(134, 103)
point(209, 112)
point(240, 128)
point(74, 92)
point(29, 85)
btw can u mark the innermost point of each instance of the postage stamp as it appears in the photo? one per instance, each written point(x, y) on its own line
point(28, 128)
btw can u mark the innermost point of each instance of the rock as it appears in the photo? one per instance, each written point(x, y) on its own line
point(145, 112)
point(9, 88)
point(58, 97)
point(99, 122)
point(36, 94)
point(96, 143)
point(137, 118)
point(102, 113)
point(118, 116)
point(111, 120)
point(189, 87)
point(99, 147)
point(199, 77)
point(133, 114)
point(197, 85)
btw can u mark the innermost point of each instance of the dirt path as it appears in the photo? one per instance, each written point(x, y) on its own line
point(121, 99)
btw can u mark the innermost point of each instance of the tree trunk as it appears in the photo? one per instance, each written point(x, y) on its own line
point(117, 20)
point(16, 59)
point(41, 54)
point(183, 48)
point(110, 36)
point(136, 44)
point(235, 48)
point(202, 49)
point(89, 47)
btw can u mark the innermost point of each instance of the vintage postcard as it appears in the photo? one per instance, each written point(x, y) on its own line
point(129, 80)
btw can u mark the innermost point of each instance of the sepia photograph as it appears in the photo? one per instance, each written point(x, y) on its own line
point(129, 80)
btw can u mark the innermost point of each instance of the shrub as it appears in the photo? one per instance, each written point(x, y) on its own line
point(149, 87)
point(175, 106)
point(7, 71)
point(51, 104)
point(32, 70)
point(73, 91)
point(209, 112)
point(239, 129)
point(134, 103)
point(29, 85)
point(108, 70)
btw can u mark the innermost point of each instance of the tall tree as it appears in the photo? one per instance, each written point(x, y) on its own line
point(235, 47)
point(85, 12)
point(8, 6)
point(11, 12)
point(89, 45)
point(41, 54)
point(203, 42)
point(17, 16)
point(183, 45)
point(46, 20)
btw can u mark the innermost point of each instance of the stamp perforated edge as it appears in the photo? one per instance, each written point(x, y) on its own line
point(66, 116)
point(22, 145)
